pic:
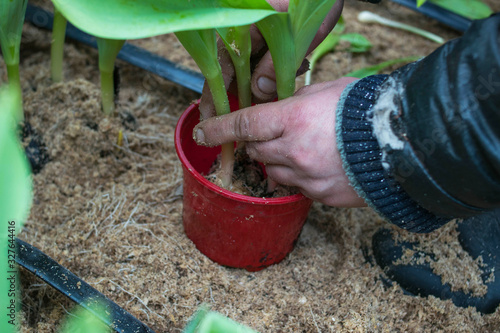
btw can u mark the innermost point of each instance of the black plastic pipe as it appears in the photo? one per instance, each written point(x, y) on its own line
point(130, 53)
point(438, 13)
point(76, 289)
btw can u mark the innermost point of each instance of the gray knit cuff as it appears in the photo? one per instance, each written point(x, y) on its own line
point(362, 160)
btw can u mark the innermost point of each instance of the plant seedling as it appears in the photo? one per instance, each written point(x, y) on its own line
point(369, 17)
point(289, 35)
point(202, 46)
point(12, 14)
point(357, 44)
point(238, 44)
point(108, 51)
point(57, 46)
point(375, 69)
point(197, 20)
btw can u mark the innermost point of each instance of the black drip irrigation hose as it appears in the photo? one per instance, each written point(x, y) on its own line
point(438, 13)
point(76, 289)
point(130, 53)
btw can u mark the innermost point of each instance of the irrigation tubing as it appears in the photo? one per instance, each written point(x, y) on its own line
point(438, 13)
point(77, 290)
point(130, 53)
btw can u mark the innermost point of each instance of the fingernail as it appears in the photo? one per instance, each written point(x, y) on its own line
point(199, 136)
point(266, 85)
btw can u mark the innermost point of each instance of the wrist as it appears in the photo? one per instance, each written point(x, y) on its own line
point(362, 160)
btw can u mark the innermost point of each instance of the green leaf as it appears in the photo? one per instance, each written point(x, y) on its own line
point(239, 46)
point(15, 201)
point(278, 34)
point(132, 19)
point(473, 9)
point(420, 2)
point(328, 44)
point(202, 46)
point(358, 42)
point(11, 25)
point(206, 321)
point(369, 17)
point(306, 18)
point(83, 321)
point(289, 35)
point(15, 173)
point(372, 70)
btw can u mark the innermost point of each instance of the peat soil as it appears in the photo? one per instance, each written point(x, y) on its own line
point(113, 214)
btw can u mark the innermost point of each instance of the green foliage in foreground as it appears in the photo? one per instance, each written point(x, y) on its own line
point(83, 321)
point(131, 19)
point(472, 9)
point(357, 44)
point(376, 69)
point(206, 321)
point(289, 35)
point(15, 202)
point(11, 25)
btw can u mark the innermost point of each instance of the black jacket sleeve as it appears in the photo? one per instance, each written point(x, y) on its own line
point(437, 125)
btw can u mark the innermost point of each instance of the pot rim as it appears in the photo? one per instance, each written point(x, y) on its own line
point(211, 186)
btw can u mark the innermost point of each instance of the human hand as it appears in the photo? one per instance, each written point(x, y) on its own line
point(263, 77)
point(295, 138)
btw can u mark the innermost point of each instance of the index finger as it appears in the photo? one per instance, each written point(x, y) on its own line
point(262, 122)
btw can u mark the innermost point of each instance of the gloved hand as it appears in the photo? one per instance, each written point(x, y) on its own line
point(479, 236)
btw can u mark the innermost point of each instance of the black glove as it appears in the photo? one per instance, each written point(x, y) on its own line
point(479, 236)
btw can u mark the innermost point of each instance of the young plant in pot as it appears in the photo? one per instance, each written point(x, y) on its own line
point(122, 20)
point(233, 229)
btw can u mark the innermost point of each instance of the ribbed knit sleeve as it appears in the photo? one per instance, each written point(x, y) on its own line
point(362, 160)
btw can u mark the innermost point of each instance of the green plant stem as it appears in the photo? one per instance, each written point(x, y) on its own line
point(57, 46)
point(243, 77)
point(14, 78)
point(202, 46)
point(238, 44)
point(108, 50)
point(219, 94)
point(107, 92)
point(279, 38)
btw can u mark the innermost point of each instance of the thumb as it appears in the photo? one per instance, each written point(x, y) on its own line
point(264, 80)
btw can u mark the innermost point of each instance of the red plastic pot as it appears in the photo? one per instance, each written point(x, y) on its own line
point(233, 229)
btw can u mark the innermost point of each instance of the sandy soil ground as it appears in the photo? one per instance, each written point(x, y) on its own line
point(113, 215)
